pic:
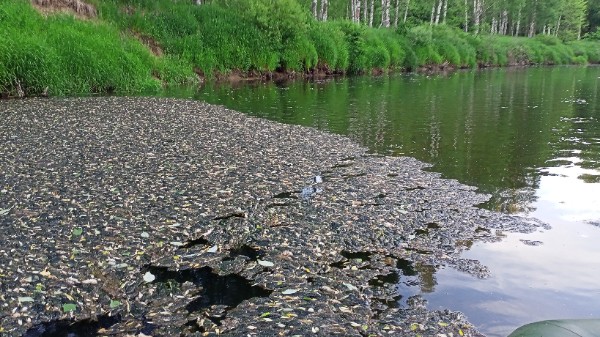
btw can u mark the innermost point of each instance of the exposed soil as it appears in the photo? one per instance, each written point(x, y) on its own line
point(79, 8)
point(162, 217)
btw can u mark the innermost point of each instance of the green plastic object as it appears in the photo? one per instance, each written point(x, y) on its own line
point(560, 328)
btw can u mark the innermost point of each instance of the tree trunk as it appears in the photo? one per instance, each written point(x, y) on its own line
point(445, 11)
point(324, 9)
point(477, 9)
point(466, 16)
point(557, 25)
point(365, 13)
point(397, 13)
point(406, 10)
point(198, 2)
point(532, 22)
point(518, 22)
point(385, 13)
point(313, 9)
point(438, 13)
point(371, 13)
point(432, 14)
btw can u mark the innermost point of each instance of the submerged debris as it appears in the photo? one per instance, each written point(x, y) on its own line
point(180, 217)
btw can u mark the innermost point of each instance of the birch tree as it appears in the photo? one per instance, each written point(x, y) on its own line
point(324, 10)
point(385, 13)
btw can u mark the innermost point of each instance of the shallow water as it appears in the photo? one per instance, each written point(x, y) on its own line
point(529, 137)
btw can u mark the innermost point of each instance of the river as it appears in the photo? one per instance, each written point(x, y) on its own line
point(529, 137)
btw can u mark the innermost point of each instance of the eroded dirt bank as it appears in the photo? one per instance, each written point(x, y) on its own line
point(161, 217)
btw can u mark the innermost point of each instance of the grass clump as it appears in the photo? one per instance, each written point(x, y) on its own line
point(60, 55)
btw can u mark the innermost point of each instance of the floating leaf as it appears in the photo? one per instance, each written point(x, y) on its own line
point(25, 299)
point(442, 324)
point(69, 307)
point(460, 332)
point(149, 277)
point(289, 291)
point(266, 314)
point(266, 263)
point(414, 326)
point(114, 304)
point(77, 231)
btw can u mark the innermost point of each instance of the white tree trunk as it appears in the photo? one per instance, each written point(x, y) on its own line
point(533, 18)
point(438, 13)
point(406, 10)
point(371, 13)
point(198, 2)
point(365, 13)
point(397, 13)
point(477, 14)
point(385, 13)
point(432, 14)
point(313, 8)
point(518, 22)
point(324, 9)
point(445, 11)
point(557, 25)
point(466, 16)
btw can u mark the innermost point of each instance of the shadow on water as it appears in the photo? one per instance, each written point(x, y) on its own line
point(69, 328)
point(229, 290)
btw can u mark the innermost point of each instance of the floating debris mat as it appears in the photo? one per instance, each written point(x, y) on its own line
point(162, 217)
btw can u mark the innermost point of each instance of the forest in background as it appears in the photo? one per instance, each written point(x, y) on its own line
point(67, 47)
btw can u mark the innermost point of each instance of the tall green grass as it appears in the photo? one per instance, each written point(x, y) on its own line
point(65, 56)
point(70, 56)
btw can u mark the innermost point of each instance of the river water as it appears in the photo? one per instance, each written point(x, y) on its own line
point(530, 137)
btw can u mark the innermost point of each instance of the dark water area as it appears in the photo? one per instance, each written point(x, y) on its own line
point(528, 137)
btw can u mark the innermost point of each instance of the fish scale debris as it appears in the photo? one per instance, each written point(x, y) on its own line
point(98, 192)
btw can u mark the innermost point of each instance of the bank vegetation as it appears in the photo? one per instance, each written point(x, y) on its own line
point(67, 47)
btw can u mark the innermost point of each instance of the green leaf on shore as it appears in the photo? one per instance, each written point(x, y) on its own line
point(114, 304)
point(69, 307)
point(77, 231)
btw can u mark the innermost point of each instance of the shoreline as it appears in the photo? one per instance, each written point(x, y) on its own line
point(141, 214)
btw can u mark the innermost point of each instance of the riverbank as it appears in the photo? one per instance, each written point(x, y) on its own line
point(162, 216)
point(60, 48)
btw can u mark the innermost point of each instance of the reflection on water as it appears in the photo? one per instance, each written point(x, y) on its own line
point(529, 137)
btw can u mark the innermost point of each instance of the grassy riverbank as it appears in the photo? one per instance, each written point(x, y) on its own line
point(134, 45)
